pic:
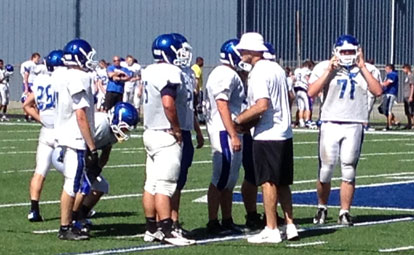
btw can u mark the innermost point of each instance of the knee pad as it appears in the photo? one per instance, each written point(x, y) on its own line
point(165, 187)
point(325, 173)
point(348, 172)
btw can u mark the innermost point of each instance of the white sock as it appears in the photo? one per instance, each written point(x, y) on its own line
point(320, 206)
point(342, 212)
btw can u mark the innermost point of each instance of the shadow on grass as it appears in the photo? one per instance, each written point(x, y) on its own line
point(117, 229)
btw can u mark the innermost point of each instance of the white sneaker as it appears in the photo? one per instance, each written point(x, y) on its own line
point(289, 232)
point(152, 237)
point(177, 239)
point(267, 235)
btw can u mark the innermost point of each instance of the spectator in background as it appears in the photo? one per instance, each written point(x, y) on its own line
point(117, 75)
point(290, 78)
point(408, 95)
point(198, 90)
point(390, 87)
point(131, 88)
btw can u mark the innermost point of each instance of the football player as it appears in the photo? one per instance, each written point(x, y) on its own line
point(132, 88)
point(188, 122)
point(74, 122)
point(303, 101)
point(28, 72)
point(224, 99)
point(110, 128)
point(162, 139)
point(272, 135)
point(5, 74)
point(345, 80)
point(101, 82)
point(40, 105)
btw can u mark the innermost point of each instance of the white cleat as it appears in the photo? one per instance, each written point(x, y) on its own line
point(267, 235)
point(290, 232)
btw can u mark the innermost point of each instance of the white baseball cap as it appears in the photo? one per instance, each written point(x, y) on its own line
point(251, 41)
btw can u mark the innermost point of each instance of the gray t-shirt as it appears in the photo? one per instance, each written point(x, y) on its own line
point(409, 79)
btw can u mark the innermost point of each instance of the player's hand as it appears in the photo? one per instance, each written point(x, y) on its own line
point(92, 166)
point(360, 60)
point(410, 99)
point(177, 135)
point(235, 143)
point(200, 140)
point(333, 64)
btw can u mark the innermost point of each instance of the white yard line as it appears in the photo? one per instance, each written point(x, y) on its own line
point(406, 248)
point(296, 245)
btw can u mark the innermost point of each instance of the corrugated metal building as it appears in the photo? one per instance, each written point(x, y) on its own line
point(129, 27)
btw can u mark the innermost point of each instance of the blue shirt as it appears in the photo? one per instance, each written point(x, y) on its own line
point(392, 88)
point(117, 86)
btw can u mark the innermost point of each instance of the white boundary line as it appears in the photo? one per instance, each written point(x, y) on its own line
point(234, 237)
point(406, 248)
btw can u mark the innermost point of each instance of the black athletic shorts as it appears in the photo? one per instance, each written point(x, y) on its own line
point(273, 162)
point(111, 98)
point(408, 107)
point(248, 159)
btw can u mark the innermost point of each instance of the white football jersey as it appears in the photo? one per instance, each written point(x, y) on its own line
point(69, 83)
point(44, 95)
point(103, 132)
point(30, 67)
point(301, 77)
point(102, 75)
point(136, 70)
point(184, 100)
point(346, 94)
point(268, 80)
point(223, 83)
point(154, 78)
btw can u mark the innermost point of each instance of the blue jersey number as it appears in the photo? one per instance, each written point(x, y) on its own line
point(344, 84)
point(45, 97)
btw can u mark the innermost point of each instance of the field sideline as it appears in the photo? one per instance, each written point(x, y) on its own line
point(383, 211)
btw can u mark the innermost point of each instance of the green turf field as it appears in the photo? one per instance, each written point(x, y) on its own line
point(386, 158)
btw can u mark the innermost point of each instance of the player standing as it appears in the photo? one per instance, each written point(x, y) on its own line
point(345, 80)
point(162, 140)
point(188, 122)
point(5, 74)
point(224, 99)
point(40, 105)
point(74, 122)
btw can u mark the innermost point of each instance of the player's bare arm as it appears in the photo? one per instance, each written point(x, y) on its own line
point(84, 127)
point(223, 109)
point(168, 102)
point(373, 84)
point(317, 86)
point(26, 82)
point(410, 99)
point(30, 108)
point(254, 112)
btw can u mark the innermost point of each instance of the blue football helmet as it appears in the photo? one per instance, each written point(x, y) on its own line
point(54, 59)
point(270, 54)
point(9, 68)
point(184, 54)
point(229, 54)
point(166, 47)
point(346, 43)
point(80, 53)
point(123, 118)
